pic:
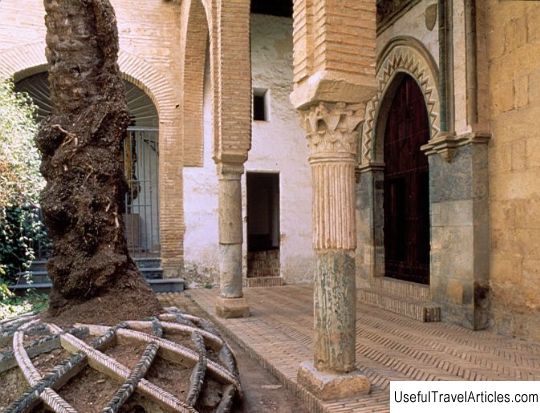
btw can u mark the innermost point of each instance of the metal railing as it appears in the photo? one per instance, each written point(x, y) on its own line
point(141, 206)
point(141, 213)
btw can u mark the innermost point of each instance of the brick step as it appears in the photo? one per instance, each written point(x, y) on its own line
point(39, 265)
point(149, 267)
point(40, 277)
point(415, 308)
point(263, 282)
point(152, 262)
point(167, 285)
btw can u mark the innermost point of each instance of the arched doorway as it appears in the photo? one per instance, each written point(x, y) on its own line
point(406, 185)
point(141, 160)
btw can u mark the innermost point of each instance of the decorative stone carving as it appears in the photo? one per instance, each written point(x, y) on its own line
point(332, 128)
point(404, 55)
point(332, 133)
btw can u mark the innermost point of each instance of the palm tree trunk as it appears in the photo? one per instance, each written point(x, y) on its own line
point(81, 145)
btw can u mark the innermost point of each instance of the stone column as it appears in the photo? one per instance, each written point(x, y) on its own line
point(231, 302)
point(332, 139)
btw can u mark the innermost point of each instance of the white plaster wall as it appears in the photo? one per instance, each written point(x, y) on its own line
point(201, 206)
point(413, 23)
point(278, 145)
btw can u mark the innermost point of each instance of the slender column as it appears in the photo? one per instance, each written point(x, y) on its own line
point(230, 303)
point(334, 67)
point(332, 142)
point(332, 139)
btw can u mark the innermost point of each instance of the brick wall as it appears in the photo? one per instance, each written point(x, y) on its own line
point(193, 43)
point(150, 58)
point(514, 165)
point(324, 34)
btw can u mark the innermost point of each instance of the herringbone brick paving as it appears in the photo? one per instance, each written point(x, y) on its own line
point(389, 346)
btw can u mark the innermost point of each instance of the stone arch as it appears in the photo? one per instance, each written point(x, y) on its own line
point(29, 59)
point(401, 55)
point(23, 61)
point(195, 38)
point(230, 75)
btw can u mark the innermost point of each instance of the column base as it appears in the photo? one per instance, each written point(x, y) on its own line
point(332, 386)
point(232, 307)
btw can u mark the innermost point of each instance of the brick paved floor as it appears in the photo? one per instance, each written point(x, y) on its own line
point(389, 346)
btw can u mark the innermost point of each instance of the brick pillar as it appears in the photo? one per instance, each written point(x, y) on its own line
point(231, 66)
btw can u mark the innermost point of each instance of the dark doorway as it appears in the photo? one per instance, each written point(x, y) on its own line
point(406, 185)
point(281, 8)
point(263, 224)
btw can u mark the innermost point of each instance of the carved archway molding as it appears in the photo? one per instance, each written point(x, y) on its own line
point(401, 55)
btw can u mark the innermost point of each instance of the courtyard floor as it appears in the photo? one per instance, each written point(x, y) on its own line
point(389, 346)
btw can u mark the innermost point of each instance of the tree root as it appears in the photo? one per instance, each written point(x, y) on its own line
point(204, 337)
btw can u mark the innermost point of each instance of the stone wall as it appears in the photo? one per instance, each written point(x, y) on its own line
point(514, 165)
point(459, 256)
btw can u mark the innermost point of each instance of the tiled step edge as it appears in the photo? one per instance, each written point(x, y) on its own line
point(167, 285)
point(313, 404)
point(263, 282)
point(418, 310)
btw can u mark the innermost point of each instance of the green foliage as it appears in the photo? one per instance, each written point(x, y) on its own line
point(20, 183)
point(20, 231)
point(13, 305)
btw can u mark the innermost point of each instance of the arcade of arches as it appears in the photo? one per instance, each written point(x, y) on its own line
point(392, 141)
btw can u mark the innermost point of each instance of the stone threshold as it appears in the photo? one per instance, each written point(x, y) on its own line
point(401, 297)
point(263, 282)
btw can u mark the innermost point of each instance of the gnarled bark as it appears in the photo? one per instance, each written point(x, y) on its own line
point(81, 144)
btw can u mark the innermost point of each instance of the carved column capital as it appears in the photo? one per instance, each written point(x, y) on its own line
point(332, 129)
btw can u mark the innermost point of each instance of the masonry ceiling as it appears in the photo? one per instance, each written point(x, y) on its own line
point(283, 8)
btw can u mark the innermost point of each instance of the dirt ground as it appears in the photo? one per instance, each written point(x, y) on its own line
point(262, 391)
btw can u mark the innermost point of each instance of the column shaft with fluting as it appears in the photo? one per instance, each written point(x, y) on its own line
point(332, 136)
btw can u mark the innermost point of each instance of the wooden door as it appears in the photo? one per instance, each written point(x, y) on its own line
point(406, 186)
